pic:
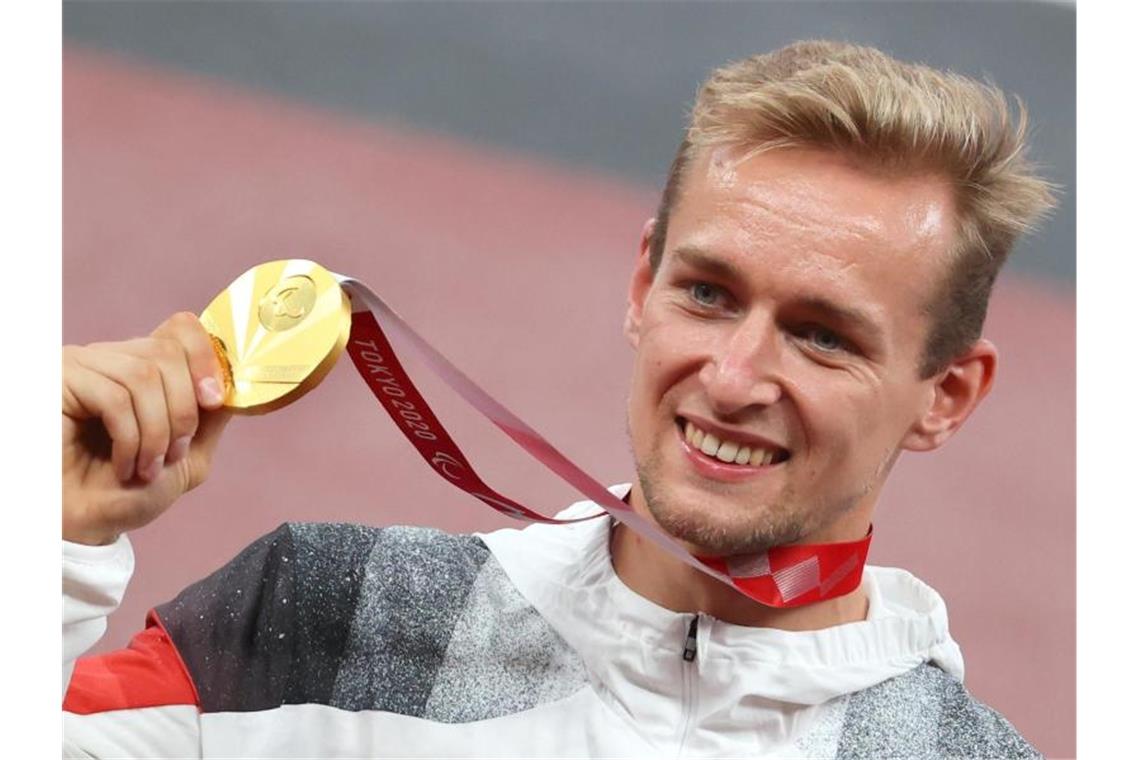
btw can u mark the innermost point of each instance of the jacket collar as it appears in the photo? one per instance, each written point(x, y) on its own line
point(632, 647)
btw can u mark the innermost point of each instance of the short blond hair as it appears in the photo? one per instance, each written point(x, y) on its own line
point(891, 116)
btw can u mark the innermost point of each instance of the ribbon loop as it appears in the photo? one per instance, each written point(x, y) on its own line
point(785, 576)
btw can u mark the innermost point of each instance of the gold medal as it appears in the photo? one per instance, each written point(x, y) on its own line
point(278, 330)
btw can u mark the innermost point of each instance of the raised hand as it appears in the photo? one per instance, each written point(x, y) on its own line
point(141, 421)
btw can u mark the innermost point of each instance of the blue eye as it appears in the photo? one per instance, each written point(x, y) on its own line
point(824, 339)
point(704, 293)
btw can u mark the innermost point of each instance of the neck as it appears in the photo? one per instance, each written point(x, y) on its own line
point(664, 580)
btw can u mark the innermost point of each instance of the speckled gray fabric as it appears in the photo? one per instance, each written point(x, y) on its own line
point(426, 624)
point(925, 713)
point(269, 627)
point(503, 657)
point(330, 560)
point(412, 621)
point(821, 741)
point(226, 627)
point(415, 585)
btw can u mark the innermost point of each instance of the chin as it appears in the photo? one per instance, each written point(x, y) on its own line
point(718, 525)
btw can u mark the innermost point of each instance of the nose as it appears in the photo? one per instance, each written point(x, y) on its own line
point(744, 369)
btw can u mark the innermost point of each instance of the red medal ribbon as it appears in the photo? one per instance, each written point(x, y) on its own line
point(784, 576)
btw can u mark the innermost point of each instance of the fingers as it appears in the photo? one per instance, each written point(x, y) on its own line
point(142, 382)
point(205, 445)
point(160, 382)
point(205, 371)
point(181, 400)
point(101, 397)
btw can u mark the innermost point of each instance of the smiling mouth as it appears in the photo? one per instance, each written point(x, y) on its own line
point(726, 451)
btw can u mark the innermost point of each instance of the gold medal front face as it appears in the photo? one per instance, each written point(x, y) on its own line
point(279, 329)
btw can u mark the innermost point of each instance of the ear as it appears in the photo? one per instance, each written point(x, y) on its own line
point(639, 285)
point(957, 391)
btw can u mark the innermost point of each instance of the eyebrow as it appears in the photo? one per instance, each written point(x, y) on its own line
point(698, 259)
point(860, 321)
point(824, 307)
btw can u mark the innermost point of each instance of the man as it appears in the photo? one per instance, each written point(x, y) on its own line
point(806, 305)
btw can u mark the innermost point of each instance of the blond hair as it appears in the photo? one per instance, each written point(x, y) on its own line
point(890, 116)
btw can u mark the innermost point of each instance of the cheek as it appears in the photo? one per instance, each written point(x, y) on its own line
point(868, 423)
point(842, 414)
point(664, 366)
point(666, 354)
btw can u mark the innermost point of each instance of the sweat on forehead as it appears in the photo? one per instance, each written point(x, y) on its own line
point(821, 194)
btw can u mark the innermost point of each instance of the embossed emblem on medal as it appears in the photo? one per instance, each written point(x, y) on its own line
point(287, 303)
point(279, 329)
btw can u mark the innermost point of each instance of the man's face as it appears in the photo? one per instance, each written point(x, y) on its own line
point(786, 318)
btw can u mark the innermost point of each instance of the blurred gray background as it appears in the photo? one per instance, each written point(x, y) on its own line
point(600, 84)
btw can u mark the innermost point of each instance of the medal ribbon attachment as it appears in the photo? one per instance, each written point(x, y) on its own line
point(280, 327)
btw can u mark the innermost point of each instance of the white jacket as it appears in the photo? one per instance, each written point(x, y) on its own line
point(336, 640)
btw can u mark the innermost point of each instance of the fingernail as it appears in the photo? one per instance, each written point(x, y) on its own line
point(178, 450)
point(151, 471)
point(210, 391)
point(127, 471)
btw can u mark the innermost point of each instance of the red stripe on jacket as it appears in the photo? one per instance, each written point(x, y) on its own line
point(148, 673)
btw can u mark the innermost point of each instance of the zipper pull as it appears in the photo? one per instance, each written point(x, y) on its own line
point(689, 653)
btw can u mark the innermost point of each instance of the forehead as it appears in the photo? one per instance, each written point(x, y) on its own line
point(815, 213)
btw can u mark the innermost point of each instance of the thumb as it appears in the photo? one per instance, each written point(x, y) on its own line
point(204, 445)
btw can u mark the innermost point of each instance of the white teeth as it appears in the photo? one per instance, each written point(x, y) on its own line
point(710, 444)
point(727, 451)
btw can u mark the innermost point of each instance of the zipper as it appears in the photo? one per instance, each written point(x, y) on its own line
point(689, 653)
point(688, 682)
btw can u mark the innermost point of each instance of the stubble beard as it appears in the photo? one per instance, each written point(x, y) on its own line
point(753, 529)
